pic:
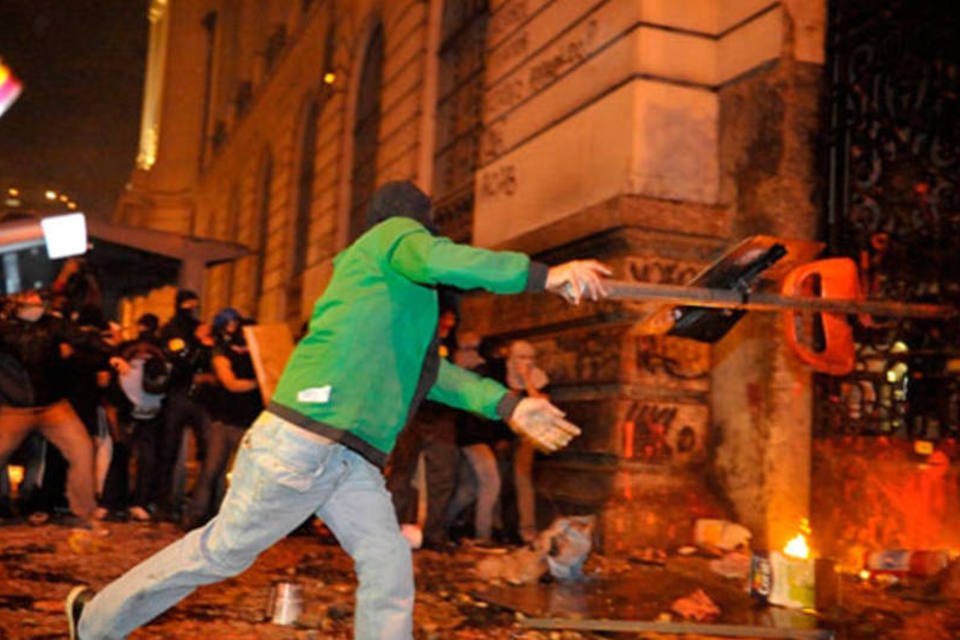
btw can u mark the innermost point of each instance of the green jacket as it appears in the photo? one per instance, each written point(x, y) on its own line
point(367, 361)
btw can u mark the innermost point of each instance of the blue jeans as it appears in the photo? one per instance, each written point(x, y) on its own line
point(282, 474)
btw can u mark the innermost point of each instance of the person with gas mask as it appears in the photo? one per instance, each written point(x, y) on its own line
point(233, 402)
point(181, 341)
point(40, 343)
point(369, 359)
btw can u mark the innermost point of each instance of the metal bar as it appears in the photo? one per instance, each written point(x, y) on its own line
point(636, 626)
point(730, 299)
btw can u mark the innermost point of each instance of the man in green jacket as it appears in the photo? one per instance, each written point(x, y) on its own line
point(368, 360)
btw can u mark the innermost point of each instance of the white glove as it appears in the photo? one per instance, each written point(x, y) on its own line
point(578, 279)
point(542, 424)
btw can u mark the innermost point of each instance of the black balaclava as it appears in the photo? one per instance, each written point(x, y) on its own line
point(147, 324)
point(400, 198)
point(186, 314)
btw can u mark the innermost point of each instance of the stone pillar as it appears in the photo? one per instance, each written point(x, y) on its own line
point(760, 394)
point(162, 195)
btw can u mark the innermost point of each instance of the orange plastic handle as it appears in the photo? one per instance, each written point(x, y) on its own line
point(838, 279)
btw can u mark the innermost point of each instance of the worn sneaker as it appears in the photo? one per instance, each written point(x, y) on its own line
point(78, 598)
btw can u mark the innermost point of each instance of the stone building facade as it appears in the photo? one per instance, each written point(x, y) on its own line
point(649, 134)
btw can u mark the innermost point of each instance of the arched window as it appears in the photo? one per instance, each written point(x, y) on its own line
point(365, 133)
point(301, 226)
point(459, 122)
point(263, 229)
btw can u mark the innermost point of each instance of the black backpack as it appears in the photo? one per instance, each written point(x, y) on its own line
point(156, 375)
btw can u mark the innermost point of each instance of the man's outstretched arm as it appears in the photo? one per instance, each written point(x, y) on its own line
point(422, 257)
point(533, 418)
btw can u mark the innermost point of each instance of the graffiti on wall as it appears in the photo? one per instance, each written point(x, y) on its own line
point(660, 270)
point(663, 432)
point(676, 358)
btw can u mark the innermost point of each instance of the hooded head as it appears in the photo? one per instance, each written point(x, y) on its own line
point(399, 198)
point(188, 304)
point(147, 325)
point(221, 321)
point(29, 306)
point(227, 326)
point(184, 296)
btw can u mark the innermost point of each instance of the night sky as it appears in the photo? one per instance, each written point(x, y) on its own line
point(76, 125)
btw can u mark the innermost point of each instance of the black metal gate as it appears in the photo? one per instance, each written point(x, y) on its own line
point(893, 145)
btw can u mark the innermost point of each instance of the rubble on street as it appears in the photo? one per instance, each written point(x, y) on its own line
point(40, 564)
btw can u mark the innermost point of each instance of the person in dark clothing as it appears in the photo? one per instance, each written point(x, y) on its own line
point(432, 433)
point(40, 342)
point(76, 287)
point(189, 356)
point(485, 445)
point(93, 375)
point(234, 403)
point(148, 328)
point(142, 376)
point(87, 375)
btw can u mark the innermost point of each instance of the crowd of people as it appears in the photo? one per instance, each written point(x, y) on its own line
point(380, 376)
point(98, 423)
point(96, 420)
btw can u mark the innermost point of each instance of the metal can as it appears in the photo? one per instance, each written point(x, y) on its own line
point(761, 576)
point(286, 603)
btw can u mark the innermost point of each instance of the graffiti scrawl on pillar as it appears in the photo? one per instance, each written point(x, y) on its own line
point(663, 432)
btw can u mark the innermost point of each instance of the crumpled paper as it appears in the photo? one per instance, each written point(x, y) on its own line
point(561, 549)
point(696, 606)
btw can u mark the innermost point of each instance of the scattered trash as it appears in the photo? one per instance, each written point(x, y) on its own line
point(792, 581)
point(697, 606)
point(285, 604)
point(568, 542)
point(83, 541)
point(950, 581)
point(711, 534)
point(904, 562)
point(649, 555)
point(735, 564)
point(561, 550)
point(522, 566)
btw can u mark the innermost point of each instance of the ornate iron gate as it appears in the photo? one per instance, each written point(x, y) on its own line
point(893, 146)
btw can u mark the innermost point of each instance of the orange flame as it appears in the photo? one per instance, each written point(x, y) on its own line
point(797, 547)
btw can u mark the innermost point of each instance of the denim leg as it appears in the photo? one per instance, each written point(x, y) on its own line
point(465, 493)
point(484, 463)
point(279, 478)
point(360, 513)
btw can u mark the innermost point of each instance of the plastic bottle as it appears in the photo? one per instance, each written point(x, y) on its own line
point(904, 562)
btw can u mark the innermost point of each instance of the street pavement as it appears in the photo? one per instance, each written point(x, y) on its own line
point(40, 564)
